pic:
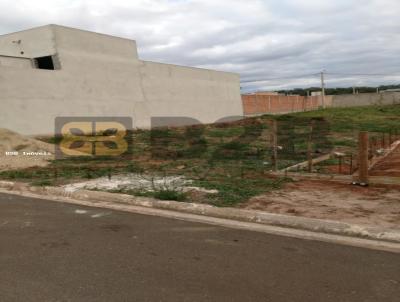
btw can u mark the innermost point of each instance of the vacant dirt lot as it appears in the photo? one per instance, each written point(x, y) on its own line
point(378, 206)
point(390, 165)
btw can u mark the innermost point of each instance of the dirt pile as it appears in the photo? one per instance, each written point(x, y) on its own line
point(26, 152)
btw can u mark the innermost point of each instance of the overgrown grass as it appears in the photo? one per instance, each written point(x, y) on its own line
point(42, 182)
point(232, 158)
point(368, 118)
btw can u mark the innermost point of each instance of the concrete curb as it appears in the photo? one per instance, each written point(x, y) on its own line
point(302, 223)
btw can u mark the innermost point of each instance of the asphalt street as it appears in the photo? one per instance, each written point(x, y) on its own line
point(52, 251)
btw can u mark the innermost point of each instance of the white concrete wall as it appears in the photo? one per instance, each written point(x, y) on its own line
point(102, 76)
point(31, 100)
point(15, 62)
point(31, 43)
point(204, 95)
point(366, 99)
point(81, 50)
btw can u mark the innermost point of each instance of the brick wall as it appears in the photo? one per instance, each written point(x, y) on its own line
point(263, 104)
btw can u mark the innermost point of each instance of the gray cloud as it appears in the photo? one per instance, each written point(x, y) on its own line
point(259, 39)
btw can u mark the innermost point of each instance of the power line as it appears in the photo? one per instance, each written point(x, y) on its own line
point(363, 74)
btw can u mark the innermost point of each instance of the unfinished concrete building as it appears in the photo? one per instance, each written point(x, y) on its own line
point(53, 71)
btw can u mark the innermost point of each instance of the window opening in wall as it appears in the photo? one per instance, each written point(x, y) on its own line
point(44, 63)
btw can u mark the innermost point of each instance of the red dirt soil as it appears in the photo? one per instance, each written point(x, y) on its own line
point(389, 166)
point(374, 205)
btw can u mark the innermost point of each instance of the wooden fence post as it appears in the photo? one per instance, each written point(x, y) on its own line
point(274, 144)
point(309, 150)
point(351, 164)
point(363, 163)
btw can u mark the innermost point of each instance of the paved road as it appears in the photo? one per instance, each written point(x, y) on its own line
point(58, 252)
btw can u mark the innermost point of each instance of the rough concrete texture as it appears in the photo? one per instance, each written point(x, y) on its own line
point(101, 75)
point(315, 225)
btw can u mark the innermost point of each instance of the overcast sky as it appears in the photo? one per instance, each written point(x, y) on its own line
point(260, 39)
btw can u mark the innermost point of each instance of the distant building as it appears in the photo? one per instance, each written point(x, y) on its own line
point(266, 93)
point(316, 93)
point(391, 90)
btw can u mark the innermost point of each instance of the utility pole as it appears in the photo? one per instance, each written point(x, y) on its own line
point(323, 89)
